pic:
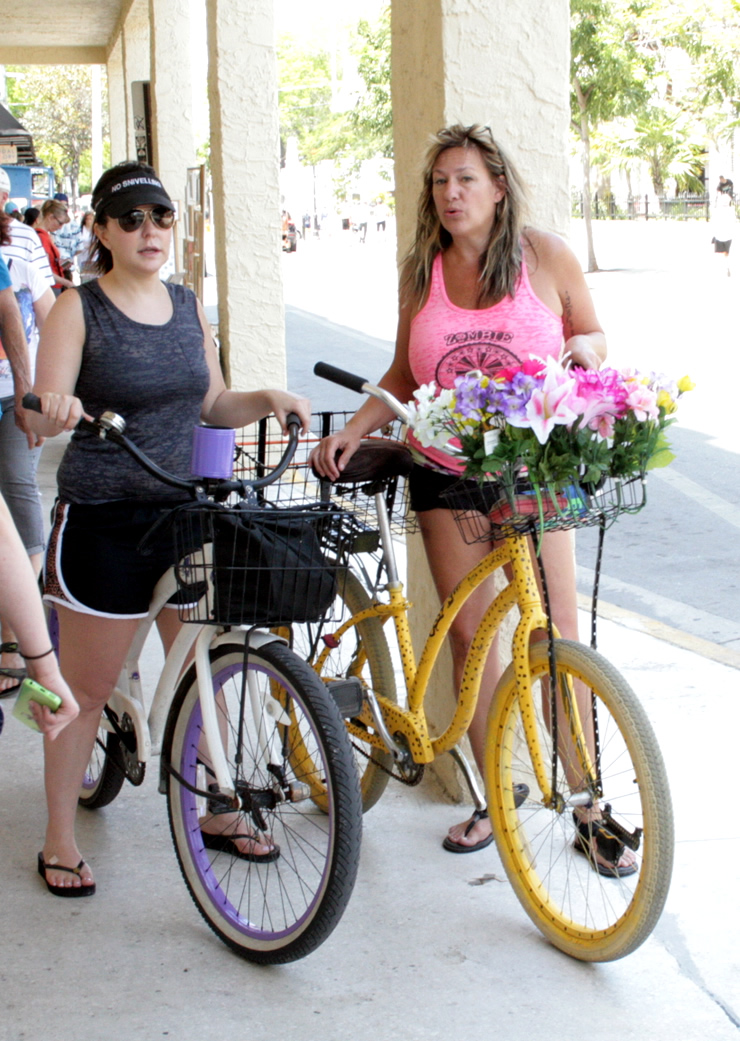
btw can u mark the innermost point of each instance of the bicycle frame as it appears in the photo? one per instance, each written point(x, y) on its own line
point(128, 695)
point(522, 591)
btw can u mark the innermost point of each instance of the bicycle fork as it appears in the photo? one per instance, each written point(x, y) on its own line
point(267, 714)
point(569, 717)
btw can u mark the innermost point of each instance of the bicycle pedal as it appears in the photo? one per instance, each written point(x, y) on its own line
point(348, 695)
point(631, 839)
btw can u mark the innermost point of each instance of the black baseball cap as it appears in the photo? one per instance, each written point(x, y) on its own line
point(128, 192)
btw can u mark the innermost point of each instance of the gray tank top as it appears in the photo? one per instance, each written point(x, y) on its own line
point(156, 377)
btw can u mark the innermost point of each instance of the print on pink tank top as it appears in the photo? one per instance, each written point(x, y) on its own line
point(447, 341)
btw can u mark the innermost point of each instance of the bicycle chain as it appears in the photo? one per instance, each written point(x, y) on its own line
point(410, 782)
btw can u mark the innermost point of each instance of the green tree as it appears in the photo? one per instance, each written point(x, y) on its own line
point(372, 116)
point(337, 103)
point(54, 103)
point(695, 47)
point(308, 85)
point(687, 54)
point(608, 77)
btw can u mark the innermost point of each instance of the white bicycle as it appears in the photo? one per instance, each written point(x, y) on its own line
point(240, 724)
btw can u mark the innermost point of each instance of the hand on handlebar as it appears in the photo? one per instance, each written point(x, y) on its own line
point(63, 411)
point(283, 402)
point(581, 352)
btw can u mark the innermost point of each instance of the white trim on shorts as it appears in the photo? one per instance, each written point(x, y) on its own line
point(67, 599)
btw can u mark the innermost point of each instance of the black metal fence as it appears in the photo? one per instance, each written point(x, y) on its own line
point(606, 206)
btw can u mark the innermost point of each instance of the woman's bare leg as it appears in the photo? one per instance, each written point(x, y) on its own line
point(92, 653)
point(558, 558)
point(231, 824)
point(450, 559)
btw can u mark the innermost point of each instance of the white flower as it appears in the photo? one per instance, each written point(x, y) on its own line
point(429, 415)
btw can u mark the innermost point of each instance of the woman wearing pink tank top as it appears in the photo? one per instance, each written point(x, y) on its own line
point(478, 288)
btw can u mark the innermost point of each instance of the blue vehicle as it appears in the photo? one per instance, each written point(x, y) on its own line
point(30, 183)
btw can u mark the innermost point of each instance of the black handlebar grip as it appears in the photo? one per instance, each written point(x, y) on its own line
point(340, 376)
point(293, 420)
point(32, 402)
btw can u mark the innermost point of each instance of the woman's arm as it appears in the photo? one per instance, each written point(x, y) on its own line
point(14, 339)
point(333, 453)
point(233, 408)
point(42, 306)
point(22, 609)
point(58, 366)
point(558, 280)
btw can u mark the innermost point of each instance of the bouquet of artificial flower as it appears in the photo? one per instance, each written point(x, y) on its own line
point(551, 424)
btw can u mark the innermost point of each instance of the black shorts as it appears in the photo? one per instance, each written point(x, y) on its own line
point(93, 564)
point(722, 246)
point(426, 487)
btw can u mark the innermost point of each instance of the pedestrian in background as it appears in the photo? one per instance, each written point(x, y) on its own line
point(54, 216)
point(68, 240)
point(723, 220)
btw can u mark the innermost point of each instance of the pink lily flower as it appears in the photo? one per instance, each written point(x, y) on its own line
point(643, 402)
point(552, 404)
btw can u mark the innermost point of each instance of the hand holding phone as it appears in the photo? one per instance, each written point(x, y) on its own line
point(33, 691)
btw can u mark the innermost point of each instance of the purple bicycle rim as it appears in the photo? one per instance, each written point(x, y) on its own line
point(198, 852)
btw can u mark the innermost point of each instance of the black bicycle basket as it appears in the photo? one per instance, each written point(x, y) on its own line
point(259, 565)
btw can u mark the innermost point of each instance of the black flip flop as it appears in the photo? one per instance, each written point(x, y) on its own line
point(13, 674)
point(228, 844)
point(66, 891)
point(608, 846)
point(521, 792)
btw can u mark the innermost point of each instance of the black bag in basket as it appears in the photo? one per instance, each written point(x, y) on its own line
point(268, 567)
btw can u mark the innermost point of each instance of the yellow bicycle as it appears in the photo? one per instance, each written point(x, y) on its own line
point(571, 762)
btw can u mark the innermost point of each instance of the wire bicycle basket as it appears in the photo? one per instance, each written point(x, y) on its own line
point(484, 510)
point(258, 447)
point(260, 565)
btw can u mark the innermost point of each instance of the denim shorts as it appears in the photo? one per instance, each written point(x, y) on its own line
point(18, 484)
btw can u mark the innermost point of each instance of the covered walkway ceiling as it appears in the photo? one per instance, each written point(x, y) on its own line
point(45, 32)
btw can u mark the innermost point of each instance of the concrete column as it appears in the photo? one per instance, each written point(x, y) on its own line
point(496, 63)
point(136, 64)
point(171, 93)
point(96, 124)
point(245, 150)
point(117, 109)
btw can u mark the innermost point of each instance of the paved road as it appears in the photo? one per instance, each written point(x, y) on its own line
point(666, 306)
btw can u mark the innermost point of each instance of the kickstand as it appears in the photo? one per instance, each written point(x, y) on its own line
point(472, 782)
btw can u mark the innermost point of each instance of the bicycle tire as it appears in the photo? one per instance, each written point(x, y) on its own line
point(278, 911)
point(586, 915)
point(363, 652)
point(105, 773)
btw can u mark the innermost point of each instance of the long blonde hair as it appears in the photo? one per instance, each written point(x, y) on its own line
point(501, 260)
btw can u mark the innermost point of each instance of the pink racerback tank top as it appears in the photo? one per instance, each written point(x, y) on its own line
point(447, 341)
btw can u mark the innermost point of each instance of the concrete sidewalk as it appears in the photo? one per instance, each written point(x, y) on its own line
point(420, 953)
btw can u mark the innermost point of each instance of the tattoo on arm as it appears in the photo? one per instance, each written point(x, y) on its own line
point(567, 316)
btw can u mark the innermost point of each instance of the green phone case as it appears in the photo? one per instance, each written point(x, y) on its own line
point(33, 691)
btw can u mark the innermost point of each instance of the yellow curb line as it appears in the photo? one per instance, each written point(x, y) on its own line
point(650, 627)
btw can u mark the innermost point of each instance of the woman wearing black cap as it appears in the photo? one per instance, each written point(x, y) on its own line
point(133, 344)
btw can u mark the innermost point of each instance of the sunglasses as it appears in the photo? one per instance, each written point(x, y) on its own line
point(160, 216)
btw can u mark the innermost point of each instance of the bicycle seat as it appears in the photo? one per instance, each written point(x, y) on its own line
point(375, 460)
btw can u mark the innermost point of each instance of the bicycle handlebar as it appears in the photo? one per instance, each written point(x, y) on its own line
point(110, 427)
point(360, 386)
